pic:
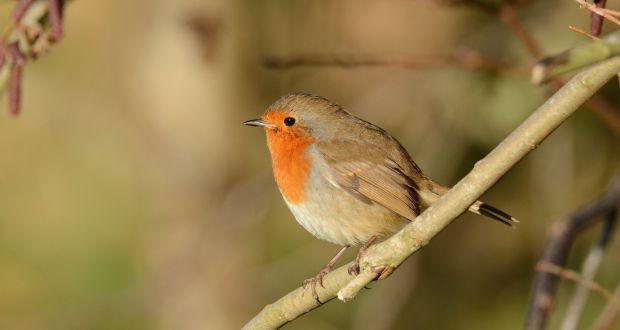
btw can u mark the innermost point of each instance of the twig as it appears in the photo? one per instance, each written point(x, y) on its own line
point(55, 18)
point(26, 39)
point(596, 20)
point(585, 33)
point(15, 80)
point(606, 319)
point(390, 253)
point(561, 237)
point(590, 265)
point(609, 14)
point(509, 16)
point(570, 275)
point(552, 67)
point(467, 58)
point(606, 112)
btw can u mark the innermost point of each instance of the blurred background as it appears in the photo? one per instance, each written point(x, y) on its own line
point(133, 198)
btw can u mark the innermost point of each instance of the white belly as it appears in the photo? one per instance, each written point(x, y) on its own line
point(334, 215)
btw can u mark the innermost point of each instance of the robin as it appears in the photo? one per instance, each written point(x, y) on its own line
point(345, 180)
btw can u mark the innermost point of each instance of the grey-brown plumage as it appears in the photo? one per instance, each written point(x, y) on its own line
point(356, 159)
point(346, 180)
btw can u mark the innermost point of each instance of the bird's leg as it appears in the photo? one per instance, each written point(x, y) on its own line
point(354, 269)
point(318, 278)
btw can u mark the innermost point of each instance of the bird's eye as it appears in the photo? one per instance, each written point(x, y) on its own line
point(289, 121)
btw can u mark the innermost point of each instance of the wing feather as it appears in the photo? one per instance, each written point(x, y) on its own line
point(376, 178)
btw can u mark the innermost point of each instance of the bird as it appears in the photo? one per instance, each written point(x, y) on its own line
point(346, 181)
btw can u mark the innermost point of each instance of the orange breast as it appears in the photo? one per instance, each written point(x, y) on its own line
point(291, 164)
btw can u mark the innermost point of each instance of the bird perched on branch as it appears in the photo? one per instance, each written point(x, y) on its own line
point(345, 180)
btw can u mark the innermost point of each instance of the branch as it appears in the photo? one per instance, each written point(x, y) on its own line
point(588, 271)
point(570, 275)
point(36, 25)
point(382, 258)
point(467, 58)
point(562, 235)
point(600, 11)
point(552, 67)
point(510, 17)
point(596, 20)
point(606, 319)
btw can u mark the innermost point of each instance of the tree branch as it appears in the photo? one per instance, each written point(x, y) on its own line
point(467, 58)
point(588, 271)
point(562, 235)
point(381, 259)
point(606, 319)
point(552, 67)
point(36, 25)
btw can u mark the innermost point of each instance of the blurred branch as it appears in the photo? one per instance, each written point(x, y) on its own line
point(552, 67)
point(36, 25)
point(586, 283)
point(383, 258)
point(606, 113)
point(570, 275)
point(606, 319)
point(562, 235)
point(596, 20)
point(509, 16)
point(467, 58)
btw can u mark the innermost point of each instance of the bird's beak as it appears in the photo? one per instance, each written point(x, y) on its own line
point(259, 123)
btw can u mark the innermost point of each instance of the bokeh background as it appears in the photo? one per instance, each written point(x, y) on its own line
point(133, 198)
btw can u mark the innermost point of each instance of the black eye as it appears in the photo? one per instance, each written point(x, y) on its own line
point(289, 121)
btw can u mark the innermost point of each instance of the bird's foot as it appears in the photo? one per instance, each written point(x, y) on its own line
point(317, 279)
point(354, 268)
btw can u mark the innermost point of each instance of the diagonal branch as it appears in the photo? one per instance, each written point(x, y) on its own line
point(384, 257)
point(552, 67)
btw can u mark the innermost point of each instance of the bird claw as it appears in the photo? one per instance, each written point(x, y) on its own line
point(354, 268)
point(318, 278)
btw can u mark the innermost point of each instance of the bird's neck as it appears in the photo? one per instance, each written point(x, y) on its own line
point(291, 163)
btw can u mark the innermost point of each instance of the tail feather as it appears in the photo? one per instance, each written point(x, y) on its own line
point(496, 214)
point(435, 190)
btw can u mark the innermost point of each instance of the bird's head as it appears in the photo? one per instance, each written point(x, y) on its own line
point(298, 117)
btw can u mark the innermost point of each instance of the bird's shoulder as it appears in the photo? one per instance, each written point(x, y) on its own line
point(370, 164)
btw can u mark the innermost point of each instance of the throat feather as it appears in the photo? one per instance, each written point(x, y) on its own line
point(291, 163)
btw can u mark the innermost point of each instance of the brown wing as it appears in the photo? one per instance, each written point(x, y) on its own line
point(374, 178)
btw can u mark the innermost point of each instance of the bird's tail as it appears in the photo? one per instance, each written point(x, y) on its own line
point(494, 213)
point(435, 191)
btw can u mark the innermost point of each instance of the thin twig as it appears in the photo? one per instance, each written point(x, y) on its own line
point(390, 253)
point(466, 58)
point(510, 17)
point(560, 240)
point(606, 112)
point(552, 67)
point(15, 80)
point(611, 15)
point(55, 18)
point(20, 9)
point(584, 32)
point(26, 39)
point(607, 317)
point(571, 275)
point(588, 270)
